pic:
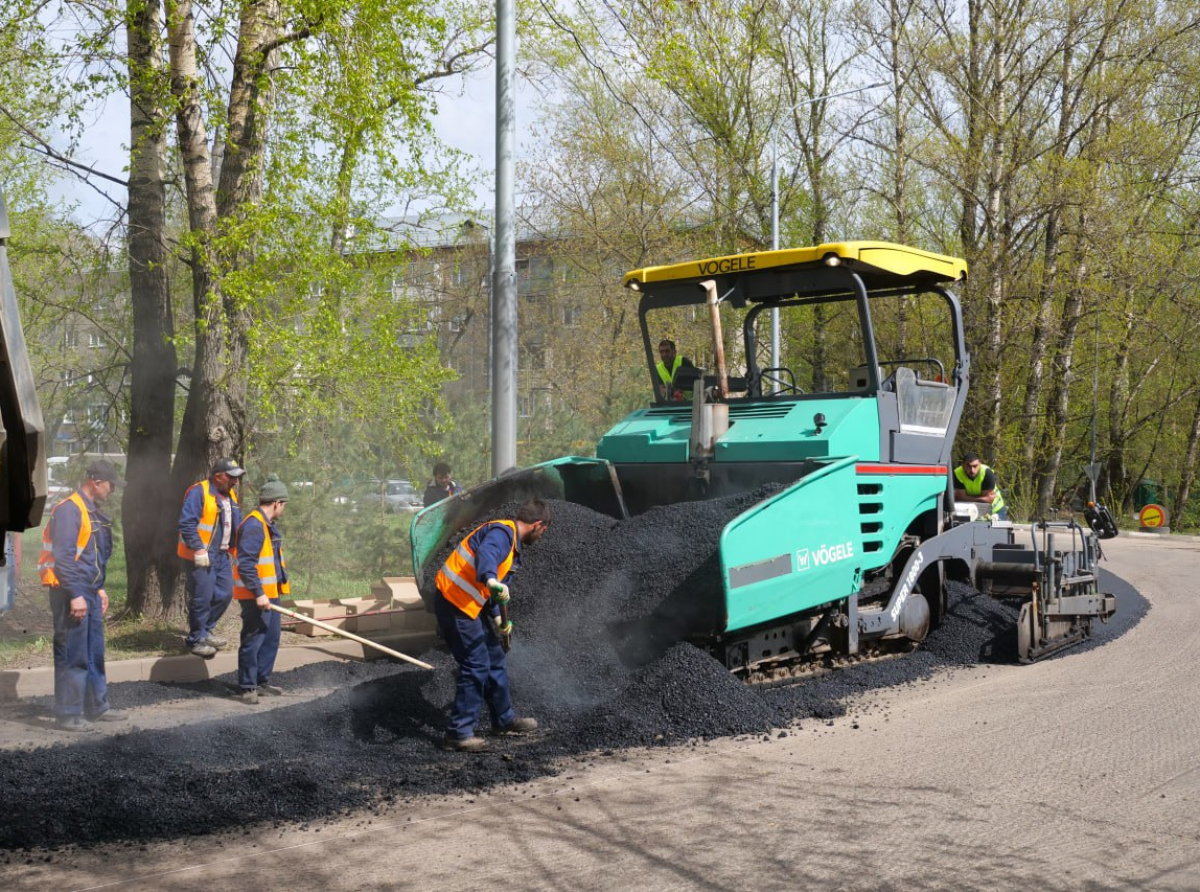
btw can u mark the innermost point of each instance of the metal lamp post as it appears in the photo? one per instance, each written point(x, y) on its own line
point(504, 278)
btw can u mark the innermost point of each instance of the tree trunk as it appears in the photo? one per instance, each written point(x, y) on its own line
point(214, 420)
point(1187, 473)
point(149, 531)
point(1055, 432)
point(998, 263)
point(1118, 407)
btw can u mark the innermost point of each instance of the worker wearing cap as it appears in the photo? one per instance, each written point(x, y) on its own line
point(260, 577)
point(207, 525)
point(471, 586)
point(76, 545)
point(976, 482)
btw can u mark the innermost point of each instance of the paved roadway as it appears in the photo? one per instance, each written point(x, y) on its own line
point(1076, 773)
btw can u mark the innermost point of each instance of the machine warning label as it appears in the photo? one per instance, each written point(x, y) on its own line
point(826, 554)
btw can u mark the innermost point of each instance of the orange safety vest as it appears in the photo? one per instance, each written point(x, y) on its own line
point(265, 566)
point(457, 580)
point(208, 518)
point(46, 558)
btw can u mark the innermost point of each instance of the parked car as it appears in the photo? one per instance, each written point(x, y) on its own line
point(57, 489)
point(401, 496)
point(398, 497)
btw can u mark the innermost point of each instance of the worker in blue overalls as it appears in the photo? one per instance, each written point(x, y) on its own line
point(208, 524)
point(260, 577)
point(76, 545)
point(471, 587)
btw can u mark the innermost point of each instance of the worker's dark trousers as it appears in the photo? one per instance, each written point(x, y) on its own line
point(79, 683)
point(482, 676)
point(209, 591)
point(259, 645)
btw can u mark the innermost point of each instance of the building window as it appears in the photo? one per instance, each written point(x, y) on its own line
point(533, 403)
point(458, 322)
point(572, 316)
point(70, 339)
point(522, 269)
point(534, 356)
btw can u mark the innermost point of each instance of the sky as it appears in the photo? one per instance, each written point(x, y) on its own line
point(466, 123)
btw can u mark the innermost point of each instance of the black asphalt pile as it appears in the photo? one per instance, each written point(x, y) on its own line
point(582, 663)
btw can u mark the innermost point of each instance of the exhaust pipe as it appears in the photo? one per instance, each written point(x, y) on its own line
point(714, 316)
point(711, 420)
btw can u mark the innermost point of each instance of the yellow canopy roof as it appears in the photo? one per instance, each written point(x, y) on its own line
point(883, 262)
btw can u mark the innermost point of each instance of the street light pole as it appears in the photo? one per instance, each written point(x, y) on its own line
point(775, 205)
point(504, 282)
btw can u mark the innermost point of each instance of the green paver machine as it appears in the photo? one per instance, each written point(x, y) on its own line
point(851, 417)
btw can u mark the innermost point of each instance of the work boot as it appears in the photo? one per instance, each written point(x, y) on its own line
point(517, 726)
point(204, 649)
point(465, 744)
point(273, 690)
point(214, 641)
point(73, 723)
point(110, 715)
point(249, 697)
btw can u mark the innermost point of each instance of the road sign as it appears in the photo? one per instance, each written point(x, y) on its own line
point(1153, 517)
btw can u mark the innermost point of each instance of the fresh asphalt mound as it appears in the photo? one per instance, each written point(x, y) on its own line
point(373, 742)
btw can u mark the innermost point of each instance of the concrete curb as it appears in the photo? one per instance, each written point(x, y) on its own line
point(16, 684)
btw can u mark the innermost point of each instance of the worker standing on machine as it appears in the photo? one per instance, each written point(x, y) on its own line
point(668, 366)
point(976, 482)
point(472, 593)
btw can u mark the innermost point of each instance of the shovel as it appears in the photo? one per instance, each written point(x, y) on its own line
point(327, 627)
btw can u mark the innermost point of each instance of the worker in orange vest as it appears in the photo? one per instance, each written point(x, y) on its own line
point(260, 577)
point(208, 523)
point(471, 587)
point(76, 545)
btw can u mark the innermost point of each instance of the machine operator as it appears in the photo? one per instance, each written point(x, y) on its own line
point(976, 482)
point(668, 368)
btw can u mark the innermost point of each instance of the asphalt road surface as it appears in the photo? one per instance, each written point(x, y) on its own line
point(1076, 773)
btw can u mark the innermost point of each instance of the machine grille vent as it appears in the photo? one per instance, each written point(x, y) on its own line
point(760, 410)
point(669, 412)
point(870, 510)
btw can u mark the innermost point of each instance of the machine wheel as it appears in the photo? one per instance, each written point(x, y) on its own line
point(914, 617)
point(933, 586)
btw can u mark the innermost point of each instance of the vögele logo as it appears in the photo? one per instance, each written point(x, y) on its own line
point(826, 554)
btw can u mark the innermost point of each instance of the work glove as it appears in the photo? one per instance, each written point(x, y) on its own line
point(503, 628)
point(201, 558)
point(499, 591)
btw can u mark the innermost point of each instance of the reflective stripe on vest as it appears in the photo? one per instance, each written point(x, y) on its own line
point(456, 580)
point(974, 488)
point(265, 566)
point(208, 518)
point(46, 557)
point(668, 378)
